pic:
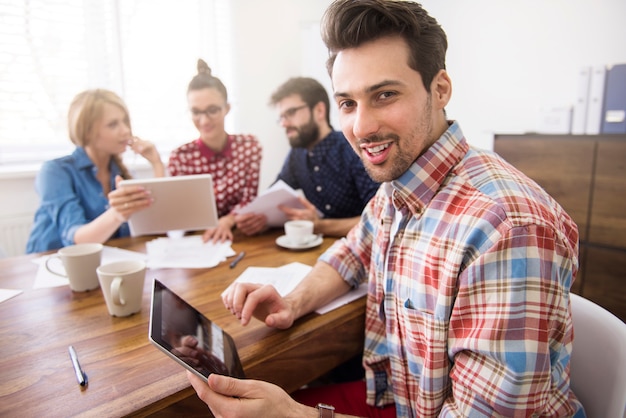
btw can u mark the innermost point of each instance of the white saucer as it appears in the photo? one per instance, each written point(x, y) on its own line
point(285, 243)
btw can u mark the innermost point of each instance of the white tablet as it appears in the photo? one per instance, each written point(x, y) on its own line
point(189, 338)
point(180, 203)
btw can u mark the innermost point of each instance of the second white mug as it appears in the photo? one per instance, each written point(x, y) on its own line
point(122, 286)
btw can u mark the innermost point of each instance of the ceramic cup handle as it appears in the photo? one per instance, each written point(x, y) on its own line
point(115, 291)
point(50, 269)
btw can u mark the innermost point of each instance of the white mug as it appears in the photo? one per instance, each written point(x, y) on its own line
point(122, 286)
point(80, 262)
point(299, 232)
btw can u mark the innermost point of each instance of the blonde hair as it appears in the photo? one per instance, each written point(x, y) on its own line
point(85, 110)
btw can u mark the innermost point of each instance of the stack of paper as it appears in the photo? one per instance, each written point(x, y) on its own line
point(287, 277)
point(186, 252)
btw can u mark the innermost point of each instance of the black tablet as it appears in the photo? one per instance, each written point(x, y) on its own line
point(189, 337)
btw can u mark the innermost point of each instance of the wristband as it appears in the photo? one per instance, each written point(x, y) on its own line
point(326, 411)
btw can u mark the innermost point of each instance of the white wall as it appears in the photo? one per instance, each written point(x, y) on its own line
point(509, 61)
point(267, 51)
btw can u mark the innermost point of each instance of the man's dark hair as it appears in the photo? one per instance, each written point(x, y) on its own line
point(351, 23)
point(309, 89)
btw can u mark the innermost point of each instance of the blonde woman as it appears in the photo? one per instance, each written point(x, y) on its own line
point(79, 199)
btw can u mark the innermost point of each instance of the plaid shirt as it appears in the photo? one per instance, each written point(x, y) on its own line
point(469, 265)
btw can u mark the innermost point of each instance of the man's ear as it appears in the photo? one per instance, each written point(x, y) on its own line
point(319, 111)
point(441, 88)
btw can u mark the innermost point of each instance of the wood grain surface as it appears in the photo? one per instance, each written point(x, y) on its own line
point(127, 375)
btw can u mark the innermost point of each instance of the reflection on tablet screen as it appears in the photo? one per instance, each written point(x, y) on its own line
point(189, 337)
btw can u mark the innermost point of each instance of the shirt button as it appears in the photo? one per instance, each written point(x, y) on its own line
point(327, 207)
point(318, 188)
point(316, 168)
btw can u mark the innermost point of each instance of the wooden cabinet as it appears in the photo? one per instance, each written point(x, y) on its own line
point(586, 174)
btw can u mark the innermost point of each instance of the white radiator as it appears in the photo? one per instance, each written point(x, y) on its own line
point(14, 232)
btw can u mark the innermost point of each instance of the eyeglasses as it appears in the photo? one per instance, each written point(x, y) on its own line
point(290, 113)
point(209, 112)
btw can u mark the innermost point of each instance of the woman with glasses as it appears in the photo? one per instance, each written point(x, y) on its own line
point(234, 161)
point(79, 198)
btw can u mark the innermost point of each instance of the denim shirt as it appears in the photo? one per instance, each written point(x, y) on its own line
point(71, 196)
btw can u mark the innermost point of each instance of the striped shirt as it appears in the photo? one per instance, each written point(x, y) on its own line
point(469, 265)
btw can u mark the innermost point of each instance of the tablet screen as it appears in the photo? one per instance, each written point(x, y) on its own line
point(188, 337)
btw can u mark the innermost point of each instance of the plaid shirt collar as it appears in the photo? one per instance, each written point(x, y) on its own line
point(416, 187)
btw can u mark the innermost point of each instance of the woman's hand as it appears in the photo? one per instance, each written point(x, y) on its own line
point(223, 231)
point(148, 151)
point(128, 199)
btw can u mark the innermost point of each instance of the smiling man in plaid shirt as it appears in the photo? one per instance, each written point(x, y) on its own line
point(469, 263)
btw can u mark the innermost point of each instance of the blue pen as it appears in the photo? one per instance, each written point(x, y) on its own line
point(237, 259)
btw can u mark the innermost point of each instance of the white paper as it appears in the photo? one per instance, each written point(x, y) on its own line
point(353, 294)
point(287, 277)
point(45, 279)
point(186, 252)
point(284, 279)
point(280, 193)
point(6, 294)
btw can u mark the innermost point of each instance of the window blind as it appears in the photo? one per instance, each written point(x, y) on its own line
point(144, 50)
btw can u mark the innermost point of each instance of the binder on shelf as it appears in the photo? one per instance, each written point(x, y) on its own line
point(614, 120)
point(595, 100)
point(579, 113)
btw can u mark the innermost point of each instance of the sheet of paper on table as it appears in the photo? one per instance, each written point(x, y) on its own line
point(46, 279)
point(6, 294)
point(186, 252)
point(287, 277)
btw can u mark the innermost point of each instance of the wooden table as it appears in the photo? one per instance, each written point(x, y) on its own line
point(127, 375)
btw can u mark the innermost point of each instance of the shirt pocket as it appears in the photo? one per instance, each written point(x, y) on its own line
point(426, 350)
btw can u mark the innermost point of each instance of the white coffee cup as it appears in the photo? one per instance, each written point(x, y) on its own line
point(299, 232)
point(122, 286)
point(80, 262)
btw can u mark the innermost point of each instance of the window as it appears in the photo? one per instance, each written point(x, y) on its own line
point(144, 50)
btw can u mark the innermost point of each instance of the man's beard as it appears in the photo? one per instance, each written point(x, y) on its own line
point(396, 166)
point(308, 134)
point(406, 150)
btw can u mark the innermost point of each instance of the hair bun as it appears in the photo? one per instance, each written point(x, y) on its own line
point(203, 67)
